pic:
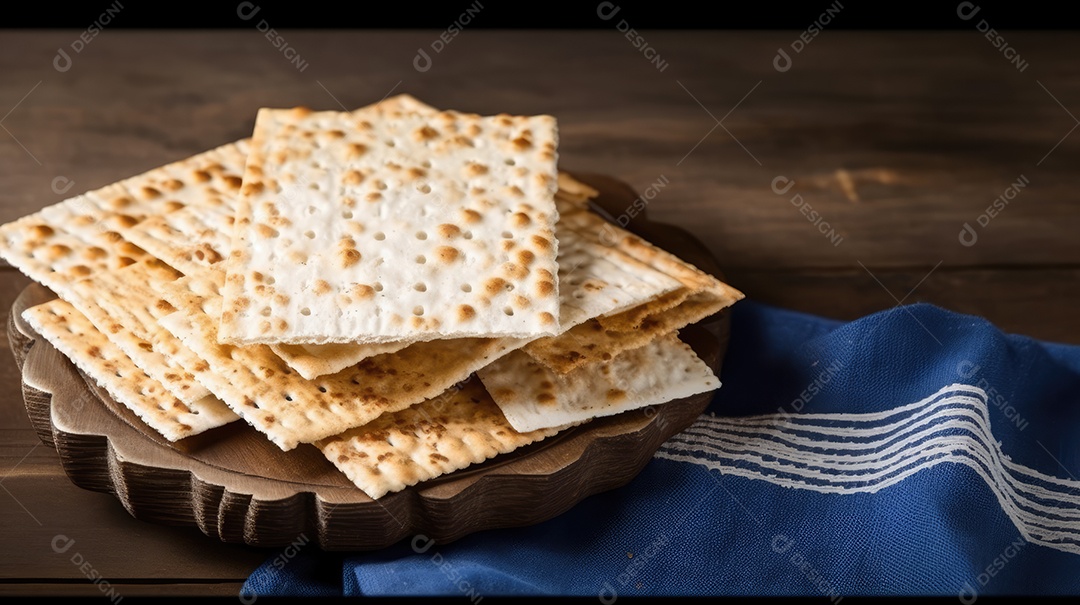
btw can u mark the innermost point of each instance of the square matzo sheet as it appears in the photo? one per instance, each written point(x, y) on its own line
point(392, 226)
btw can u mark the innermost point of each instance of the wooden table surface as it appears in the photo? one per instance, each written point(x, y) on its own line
point(838, 187)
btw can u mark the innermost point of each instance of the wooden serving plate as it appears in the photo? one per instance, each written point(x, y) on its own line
point(236, 486)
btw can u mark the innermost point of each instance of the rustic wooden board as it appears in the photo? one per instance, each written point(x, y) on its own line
point(234, 485)
point(1033, 302)
point(943, 112)
point(928, 127)
point(120, 590)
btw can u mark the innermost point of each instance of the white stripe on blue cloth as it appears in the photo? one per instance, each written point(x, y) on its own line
point(859, 453)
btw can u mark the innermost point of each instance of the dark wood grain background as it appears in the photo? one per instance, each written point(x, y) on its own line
point(895, 139)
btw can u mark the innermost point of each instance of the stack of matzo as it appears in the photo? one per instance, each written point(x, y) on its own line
point(410, 290)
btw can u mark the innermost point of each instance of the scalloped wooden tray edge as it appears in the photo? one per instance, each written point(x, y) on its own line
point(102, 452)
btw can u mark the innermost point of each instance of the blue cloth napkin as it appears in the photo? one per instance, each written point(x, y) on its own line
point(915, 451)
